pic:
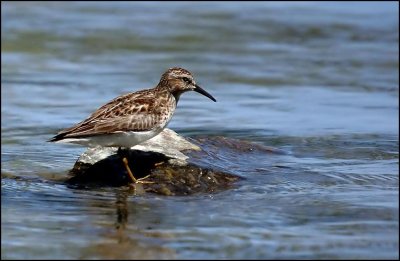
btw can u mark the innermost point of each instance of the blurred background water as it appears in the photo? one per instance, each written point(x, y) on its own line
point(317, 80)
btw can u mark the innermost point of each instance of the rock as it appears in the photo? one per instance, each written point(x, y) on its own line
point(162, 158)
point(168, 143)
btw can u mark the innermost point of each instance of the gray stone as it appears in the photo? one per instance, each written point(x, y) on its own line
point(168, 143)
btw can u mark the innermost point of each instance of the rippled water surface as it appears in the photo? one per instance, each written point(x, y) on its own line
point(318, 81)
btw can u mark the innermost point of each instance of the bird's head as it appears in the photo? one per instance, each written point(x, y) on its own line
point(179, 80)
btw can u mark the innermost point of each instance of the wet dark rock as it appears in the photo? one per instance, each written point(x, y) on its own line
point(163, 158)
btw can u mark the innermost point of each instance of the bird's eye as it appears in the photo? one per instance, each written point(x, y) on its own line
point(187, 80)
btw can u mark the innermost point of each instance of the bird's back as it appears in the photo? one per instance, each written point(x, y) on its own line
point(138, 111)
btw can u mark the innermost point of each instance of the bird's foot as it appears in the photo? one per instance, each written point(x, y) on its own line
point(142, 181)
point(158, 164)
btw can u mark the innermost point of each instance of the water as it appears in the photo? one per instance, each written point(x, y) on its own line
point(318, 81)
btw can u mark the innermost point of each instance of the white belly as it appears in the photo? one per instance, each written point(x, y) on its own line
point(118, 139)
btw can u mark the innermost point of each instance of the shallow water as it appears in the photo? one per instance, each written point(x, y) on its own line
point(316, 81)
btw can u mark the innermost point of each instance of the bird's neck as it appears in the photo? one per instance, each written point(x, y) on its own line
point(164, 88)
point(177, 95)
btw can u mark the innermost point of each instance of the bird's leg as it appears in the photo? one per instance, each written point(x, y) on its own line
point(130, 174)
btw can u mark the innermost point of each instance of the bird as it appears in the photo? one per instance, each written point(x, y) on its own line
point(133, 118)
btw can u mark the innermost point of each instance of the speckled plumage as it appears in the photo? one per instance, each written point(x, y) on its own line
point(134, 117)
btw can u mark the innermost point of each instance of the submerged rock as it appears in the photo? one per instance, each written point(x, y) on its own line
point(162, 158)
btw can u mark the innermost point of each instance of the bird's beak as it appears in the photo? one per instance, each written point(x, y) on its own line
point(202, 91)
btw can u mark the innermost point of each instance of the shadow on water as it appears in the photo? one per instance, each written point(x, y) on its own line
point(111, 216)
point(129, 240)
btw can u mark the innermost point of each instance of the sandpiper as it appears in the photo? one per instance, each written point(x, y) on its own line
point(133, 118)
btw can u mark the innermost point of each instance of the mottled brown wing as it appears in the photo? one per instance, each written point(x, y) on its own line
point(139, 122)
point(139, 111)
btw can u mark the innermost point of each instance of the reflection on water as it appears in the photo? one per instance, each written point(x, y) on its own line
point(318, 82)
